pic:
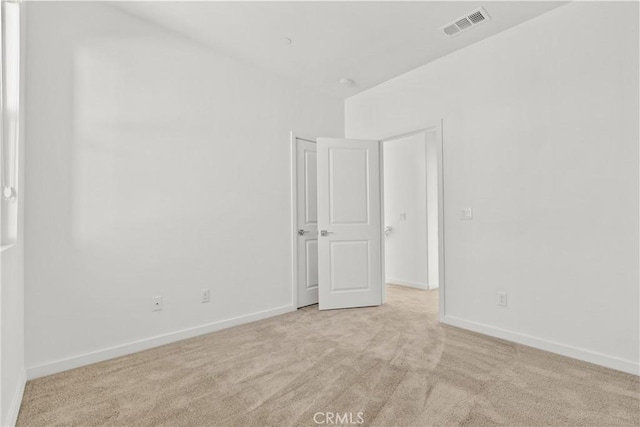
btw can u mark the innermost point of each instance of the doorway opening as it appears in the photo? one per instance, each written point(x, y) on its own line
point(413, 223)
point(339, 214)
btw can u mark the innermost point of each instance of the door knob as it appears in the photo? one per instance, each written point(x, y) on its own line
point(302, 232)
point(325, 232)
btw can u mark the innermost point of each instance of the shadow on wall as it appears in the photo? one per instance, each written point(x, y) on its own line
point(145, 148)
point(152, 165)
point(149, 156)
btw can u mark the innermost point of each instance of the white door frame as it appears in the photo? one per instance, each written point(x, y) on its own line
point(294, 214)
point(430, 127)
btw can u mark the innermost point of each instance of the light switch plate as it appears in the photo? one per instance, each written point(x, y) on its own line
point(466, 214)
point(204, 295)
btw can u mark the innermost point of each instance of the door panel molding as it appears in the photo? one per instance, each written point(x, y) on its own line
point(311, 252)
point(350, 251)
point(304, 283)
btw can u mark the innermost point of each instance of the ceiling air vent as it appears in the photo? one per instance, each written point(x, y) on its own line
point(465, 22)
point(476, 17)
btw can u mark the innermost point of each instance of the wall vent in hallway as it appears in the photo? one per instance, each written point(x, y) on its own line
point(463, 23)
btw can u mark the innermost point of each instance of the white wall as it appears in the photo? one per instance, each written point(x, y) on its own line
point(156, 167)
point(12, 333)
point(540, 128)
point(405, 211)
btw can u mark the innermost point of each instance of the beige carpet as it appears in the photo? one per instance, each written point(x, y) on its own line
point(395, 364)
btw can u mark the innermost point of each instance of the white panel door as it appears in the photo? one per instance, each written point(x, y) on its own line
point(350, 264)
point(307, 220)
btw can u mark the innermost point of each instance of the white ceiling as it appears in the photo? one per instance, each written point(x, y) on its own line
point(369, 42)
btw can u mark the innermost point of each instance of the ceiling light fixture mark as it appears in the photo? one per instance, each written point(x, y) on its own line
point(346, 82)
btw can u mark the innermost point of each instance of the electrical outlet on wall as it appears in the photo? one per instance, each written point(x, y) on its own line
point(204, 295)
point(466, 214)
point(502, 299)
point(156, 303)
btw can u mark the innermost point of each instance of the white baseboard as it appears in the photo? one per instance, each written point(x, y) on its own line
point(14, 409)
point(417, 285)
point(433, 286)
point(147, 343)
point(607, 361)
